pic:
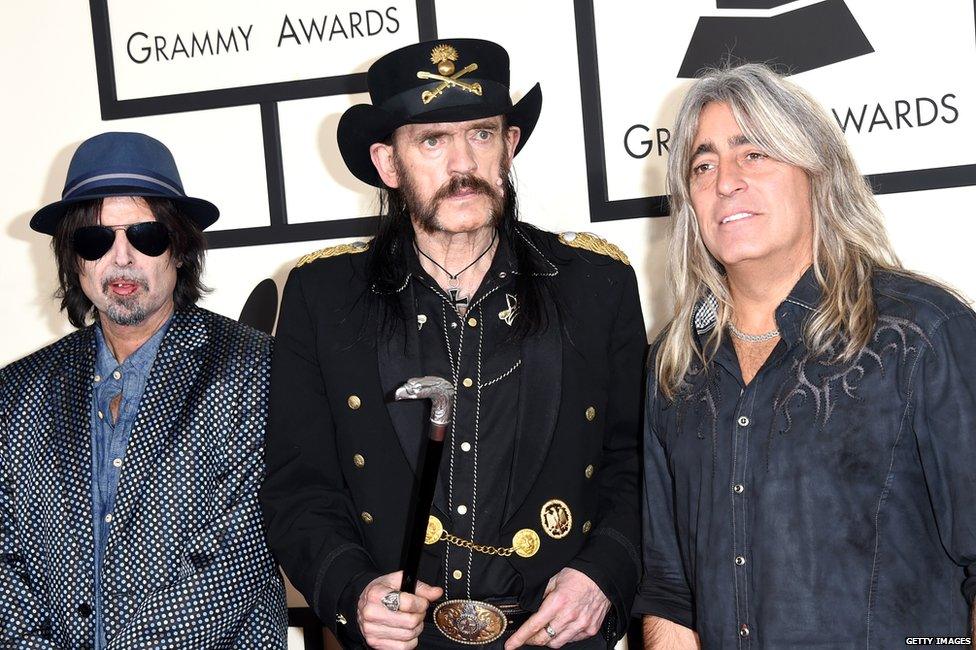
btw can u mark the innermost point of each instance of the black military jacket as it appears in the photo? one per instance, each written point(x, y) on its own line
point(341, 454)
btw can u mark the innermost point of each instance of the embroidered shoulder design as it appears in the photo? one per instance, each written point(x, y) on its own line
point(332, 251)
point(589, 241)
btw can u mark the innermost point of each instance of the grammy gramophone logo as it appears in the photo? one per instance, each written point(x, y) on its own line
point(794, 41)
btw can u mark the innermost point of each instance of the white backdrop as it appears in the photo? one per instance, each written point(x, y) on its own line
point(51, 103)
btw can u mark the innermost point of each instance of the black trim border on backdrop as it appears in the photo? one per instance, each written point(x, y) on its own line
point(604, 209)
point(267, 96)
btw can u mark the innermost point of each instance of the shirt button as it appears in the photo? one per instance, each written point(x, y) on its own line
point(465, 446)
point(98, 378)
point(743, 630)
point(101, 416)
point(738, 488)
point(590, 413)
point(473, 322)
point(354, 402)
point(502, 275)
point(468, 383)
point(117, 462)
point(453, 325)
point(739, 560)
point(743, 421)
point(462, 509)
point(457, 574)
point(359, 461)
point(117, 374)
point(366, 517)
point(588, 472)
point(108, 518)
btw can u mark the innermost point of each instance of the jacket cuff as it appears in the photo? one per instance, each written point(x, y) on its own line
point(969, 584)
point(347, 627)
point(335, 579)
point(660, 603)
point(614, 572)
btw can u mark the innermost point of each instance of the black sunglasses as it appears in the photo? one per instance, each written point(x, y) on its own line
point(149, 238)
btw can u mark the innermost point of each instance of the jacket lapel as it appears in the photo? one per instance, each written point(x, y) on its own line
point(539, 393)
point(398, 358)
point(163, 404)
point(70, 443)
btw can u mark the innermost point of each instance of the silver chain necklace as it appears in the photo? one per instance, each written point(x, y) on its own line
point(752, 338)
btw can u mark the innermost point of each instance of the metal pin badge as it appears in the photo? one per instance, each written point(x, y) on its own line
point(508, 314)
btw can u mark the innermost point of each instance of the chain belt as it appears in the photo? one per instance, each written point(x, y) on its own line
point(525, 543)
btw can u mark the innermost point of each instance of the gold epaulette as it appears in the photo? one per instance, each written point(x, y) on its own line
point(589, 241)
point(332, 251)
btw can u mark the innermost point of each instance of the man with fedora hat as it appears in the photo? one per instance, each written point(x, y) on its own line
point(131, 449)
point(533, 535)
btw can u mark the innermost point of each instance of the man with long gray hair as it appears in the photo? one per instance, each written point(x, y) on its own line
point(809, 442)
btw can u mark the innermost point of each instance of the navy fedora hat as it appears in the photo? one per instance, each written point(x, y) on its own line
point(122, 164)
point(447, 80)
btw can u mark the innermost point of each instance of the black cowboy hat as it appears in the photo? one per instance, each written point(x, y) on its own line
point(122, 164)
point(447, 80)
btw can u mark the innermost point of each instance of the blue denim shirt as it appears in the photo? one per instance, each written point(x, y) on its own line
point(110, 439)
point(827, 505)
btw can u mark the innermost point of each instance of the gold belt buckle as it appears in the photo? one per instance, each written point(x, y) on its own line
point(470, 622)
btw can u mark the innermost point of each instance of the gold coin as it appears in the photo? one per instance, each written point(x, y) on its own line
point(526, 542)
point(434, 530)
point(556, 518)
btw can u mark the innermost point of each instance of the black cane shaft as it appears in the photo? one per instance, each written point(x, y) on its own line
point(420, 509)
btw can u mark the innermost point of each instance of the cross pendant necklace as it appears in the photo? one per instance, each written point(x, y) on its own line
point(459, 302)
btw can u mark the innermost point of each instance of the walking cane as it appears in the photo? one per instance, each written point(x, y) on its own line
point(440, 392)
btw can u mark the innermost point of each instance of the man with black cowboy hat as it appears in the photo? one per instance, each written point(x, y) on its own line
point(534, 531)
point(131, 449)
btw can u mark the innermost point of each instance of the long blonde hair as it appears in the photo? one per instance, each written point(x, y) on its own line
point(850, 243)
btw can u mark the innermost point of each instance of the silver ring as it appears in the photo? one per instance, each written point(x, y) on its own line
point(551, 632)
point(392, 601)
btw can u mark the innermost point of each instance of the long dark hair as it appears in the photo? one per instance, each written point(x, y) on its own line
point(187, 248)
point(386, 270)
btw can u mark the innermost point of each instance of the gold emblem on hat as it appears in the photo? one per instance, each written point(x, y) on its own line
point(444, 56)
point(526, 542)
point(434, 530)
point(556, 518)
